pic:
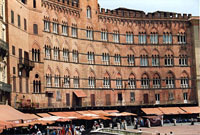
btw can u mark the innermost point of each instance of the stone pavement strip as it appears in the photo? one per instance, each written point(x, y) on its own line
point(185, 129)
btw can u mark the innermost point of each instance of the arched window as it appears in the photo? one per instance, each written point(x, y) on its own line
point(65, 54)
point(106, 81)
point(117, 59)
point(75, 56)
point(91, 57)
point(36, 55)
point(91, 81)
point(131, 59)
point(155, 59)
point(57, 78)
point(48, 80)
point(144, 60)
point(56, 53)
point(46, 25)
point(116, 36)
point(57, 81)
point(142, 38)
point(167, 38)
point(76, 82)
point(36, 84)
point(89, 12)
point(169, 59)
point(170, 81)
point(129, 37)
point(181, 38)
point(132, 82)
point(74, 30)
point(184, 80)
point(145, 81)
point(104, 35)
point(47, 52)
point(106, 58)
point(183, 60)
point(89, 33)
point(66, 81)
point(154, 38)
point(118, 81)
point(156, 81)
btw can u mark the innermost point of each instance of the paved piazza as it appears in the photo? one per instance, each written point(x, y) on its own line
point(180, 129)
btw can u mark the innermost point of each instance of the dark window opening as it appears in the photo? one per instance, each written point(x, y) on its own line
point(34, 3)
point(19, 21)
point(36, 55)
point(20, 84)
point(25, 27)
point(12, 17)
point(108, 100)
point(24, 1)
point(36, 86)
point(67, 99)
point(13, 50)
point(132, 96)
point(20, 55)
point(35, 29)
point(14, 83)
point(27, 86)
point(120, 97)
point(14, 70)
point(36, 76)
point(92, 99)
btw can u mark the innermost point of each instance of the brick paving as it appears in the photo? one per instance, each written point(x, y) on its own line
point(180, 129)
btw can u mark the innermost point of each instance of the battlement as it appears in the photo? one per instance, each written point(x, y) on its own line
point(128, 13)
point(71, 3)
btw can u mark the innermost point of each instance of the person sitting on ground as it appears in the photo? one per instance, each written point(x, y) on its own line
point(140, 131)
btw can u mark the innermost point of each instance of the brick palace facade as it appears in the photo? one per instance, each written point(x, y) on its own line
point(74, 54)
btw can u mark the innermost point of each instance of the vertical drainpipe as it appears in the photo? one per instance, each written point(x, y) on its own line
point(7, 40)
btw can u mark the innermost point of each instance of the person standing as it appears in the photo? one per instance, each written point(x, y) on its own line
point(39, 132)
point(162, 122)
point(134, 122)
point(192, 121)
point(174, 120)
point(148, 123)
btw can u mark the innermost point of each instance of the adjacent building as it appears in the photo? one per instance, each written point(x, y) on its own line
point(195, 24)
point(5, 88)
point(74, 54)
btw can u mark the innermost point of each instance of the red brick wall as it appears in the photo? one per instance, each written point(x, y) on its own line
point(77, 15)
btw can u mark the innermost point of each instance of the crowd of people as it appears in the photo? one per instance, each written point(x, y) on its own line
point(79, 127)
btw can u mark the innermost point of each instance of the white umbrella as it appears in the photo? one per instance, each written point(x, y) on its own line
point(51, 118)
point(90, 115)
